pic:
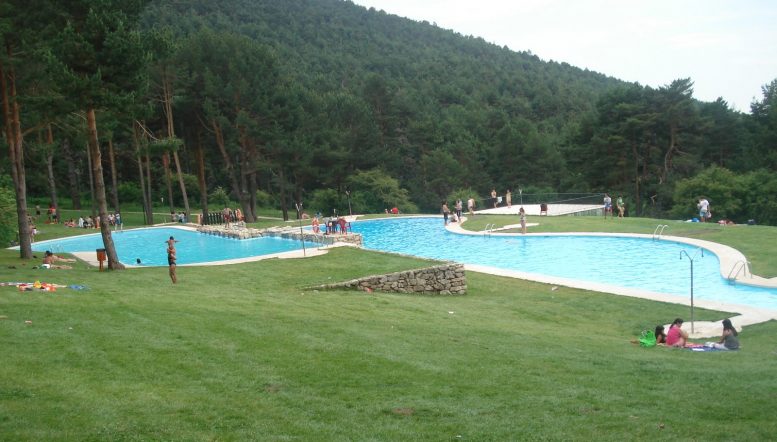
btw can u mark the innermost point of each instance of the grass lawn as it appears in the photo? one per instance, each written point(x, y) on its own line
point(244, 352)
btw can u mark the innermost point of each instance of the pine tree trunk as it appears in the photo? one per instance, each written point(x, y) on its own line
point(168, 107)
point(233, 173)
point(50, 171)
point(201, 179)
point(13, 135)
point(72, 175)
point(89, 161)
point(182, 185)
point(282, 194)
point(99, 184)
point(139, 158)
point(150, 214)
point(168, 181)
point(114, 178)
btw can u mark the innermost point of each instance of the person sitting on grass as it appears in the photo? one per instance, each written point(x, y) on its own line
point(50, 258)
point(660, 335)
point(729, 340)
point(676, 337)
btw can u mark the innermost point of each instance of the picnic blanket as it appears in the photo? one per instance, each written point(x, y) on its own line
point(702, 347)
point(37, 285)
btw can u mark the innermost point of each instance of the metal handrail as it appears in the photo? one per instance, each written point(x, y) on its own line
point(740, 266)
point(659, 231)
point(488, 228)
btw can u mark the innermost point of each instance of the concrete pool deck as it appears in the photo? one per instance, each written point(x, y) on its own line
point(728, 257)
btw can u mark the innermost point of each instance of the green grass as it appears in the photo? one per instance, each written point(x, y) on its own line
point(243, 352)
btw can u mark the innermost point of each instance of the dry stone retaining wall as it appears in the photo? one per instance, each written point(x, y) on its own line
point(447, 279)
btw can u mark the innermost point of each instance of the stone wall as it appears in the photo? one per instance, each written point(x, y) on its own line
point(446, 279)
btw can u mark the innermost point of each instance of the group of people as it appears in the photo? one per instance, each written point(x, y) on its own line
point(455, 216)
point(677, 337)
point(608, 206)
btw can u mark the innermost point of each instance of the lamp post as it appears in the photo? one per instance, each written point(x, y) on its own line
point(301, 234)
point(691, 258)
point(348, 195)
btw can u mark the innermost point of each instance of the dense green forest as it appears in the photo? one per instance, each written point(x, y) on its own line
point(188, 105)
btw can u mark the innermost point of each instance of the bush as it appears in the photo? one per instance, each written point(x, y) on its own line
point(374, 191)
point(218, 198)
point(130, 192)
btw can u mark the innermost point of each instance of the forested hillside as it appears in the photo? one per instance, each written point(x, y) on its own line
point(190, 104)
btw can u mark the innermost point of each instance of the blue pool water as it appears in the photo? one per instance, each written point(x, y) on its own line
point(620, 261)
point(193, 247)
point(626, 262)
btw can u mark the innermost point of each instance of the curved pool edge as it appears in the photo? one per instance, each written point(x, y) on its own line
point(727, 255)
point(90, 257)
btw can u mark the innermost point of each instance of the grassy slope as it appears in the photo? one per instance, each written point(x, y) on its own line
point(243, 352)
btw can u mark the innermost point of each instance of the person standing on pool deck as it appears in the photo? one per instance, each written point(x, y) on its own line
point(621, 206)
point(171, 262)
point(471, 206)
point(493, 196)
point(459, 206)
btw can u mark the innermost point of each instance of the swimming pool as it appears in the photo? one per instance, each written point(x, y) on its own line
point(621, 261)
point(149, 245)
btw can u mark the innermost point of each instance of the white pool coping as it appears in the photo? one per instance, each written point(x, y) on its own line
point(728, 257)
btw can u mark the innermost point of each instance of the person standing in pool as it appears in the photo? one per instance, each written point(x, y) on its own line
point(522, 213)
point(171, 242)
point(445, 212)
point(171, 258)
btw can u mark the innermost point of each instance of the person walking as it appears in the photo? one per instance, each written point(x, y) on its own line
point(607, 205)
point(621, 206)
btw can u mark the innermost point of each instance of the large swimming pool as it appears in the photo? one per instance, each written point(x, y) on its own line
point(149, 245)
point(638, 263)
point(621, 261)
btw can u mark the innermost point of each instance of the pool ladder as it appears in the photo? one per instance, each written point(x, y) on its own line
point(741, 266)
point(659, 231)
point(489, 228)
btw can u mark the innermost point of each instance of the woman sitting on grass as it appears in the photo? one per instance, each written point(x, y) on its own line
point(729, 340)
point(676, 337)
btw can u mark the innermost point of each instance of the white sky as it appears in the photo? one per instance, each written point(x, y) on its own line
point(728, 48)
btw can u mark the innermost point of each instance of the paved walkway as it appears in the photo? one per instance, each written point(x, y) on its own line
point(728, 256)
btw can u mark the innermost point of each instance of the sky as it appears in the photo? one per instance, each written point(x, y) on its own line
point(728, 48)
